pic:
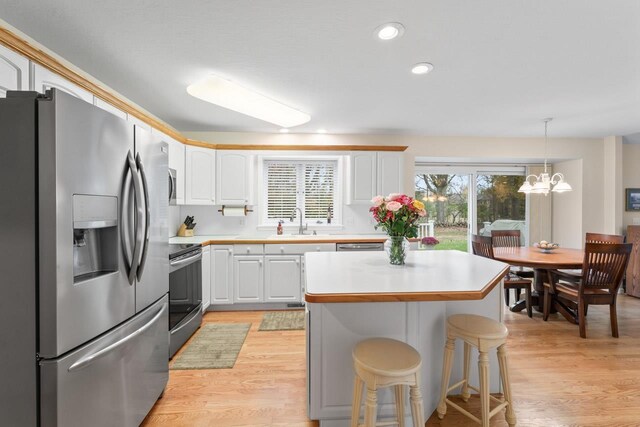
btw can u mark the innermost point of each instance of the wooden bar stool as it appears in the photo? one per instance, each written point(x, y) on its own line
point(484, 334)
point(383, 362)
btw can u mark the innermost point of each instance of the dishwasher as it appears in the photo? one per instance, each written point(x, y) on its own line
point(359, 247)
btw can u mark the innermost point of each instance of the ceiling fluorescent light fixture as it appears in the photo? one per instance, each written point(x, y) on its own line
point(542, 183)
point(389, 31)
point(232, 96)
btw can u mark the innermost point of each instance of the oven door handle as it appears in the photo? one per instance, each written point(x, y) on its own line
point(185, 261)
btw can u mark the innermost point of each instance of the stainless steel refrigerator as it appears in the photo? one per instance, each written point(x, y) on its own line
point(83, 264)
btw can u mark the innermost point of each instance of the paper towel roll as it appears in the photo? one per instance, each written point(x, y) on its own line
point(233, 211)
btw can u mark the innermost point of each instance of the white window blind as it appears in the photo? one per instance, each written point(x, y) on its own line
point(308, 185)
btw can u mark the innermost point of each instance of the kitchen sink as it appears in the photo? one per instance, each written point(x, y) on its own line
point(297, 236)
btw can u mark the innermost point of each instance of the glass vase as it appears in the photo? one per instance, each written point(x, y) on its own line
point(397, 248)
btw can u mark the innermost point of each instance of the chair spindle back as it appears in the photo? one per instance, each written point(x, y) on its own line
point(482, 246)
point(505, 238)
point(604, 265)
point(603, 238)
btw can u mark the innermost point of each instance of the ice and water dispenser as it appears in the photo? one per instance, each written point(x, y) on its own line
point(95, 236)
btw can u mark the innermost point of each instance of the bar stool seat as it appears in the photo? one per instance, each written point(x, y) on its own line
point(385, 362)
point(484, 334)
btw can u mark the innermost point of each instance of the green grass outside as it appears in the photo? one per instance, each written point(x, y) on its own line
point(451, 238)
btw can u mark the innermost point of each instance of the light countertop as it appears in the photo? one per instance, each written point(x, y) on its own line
point(426, 276)
point(286, 238)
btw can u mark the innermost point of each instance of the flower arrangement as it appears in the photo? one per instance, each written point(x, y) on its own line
point(429, 241)
point(397, 214)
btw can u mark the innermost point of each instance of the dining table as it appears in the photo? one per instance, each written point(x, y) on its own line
point(541, 261)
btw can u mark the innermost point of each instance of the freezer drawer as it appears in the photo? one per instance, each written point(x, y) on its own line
point(113, 380)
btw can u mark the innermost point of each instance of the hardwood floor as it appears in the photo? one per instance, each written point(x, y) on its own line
point(557, 377)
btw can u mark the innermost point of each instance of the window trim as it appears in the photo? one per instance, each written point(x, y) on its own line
point(336, 223)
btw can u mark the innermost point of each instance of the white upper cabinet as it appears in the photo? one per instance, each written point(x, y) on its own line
point(44, 80)
point(390, 172)
point(176, 162)
point(200, 176)
point(108, 107)
point(14, 71)
point(234, 175)
point(374, 173)
point(362, 177)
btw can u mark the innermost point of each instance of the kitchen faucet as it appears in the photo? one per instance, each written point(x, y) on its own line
point(293, 214)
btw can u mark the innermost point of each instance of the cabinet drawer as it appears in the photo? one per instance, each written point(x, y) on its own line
point(298, 248)
point(248, 249)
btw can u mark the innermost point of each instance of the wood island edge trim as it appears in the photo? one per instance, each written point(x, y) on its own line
point(408, 296)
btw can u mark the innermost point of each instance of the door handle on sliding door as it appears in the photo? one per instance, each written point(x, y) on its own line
point(147, 217)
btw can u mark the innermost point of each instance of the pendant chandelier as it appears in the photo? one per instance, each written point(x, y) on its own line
point(541, 184)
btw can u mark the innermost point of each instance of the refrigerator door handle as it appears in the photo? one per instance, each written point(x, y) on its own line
point(130, 260)
point(138, 192)
point(85, 361)
point(147, 216)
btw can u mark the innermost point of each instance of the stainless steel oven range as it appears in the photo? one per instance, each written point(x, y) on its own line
point(185, 293)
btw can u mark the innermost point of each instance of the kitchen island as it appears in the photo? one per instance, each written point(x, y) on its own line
point(354, 296)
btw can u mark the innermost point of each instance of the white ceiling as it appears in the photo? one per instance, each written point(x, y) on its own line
point(501, 66)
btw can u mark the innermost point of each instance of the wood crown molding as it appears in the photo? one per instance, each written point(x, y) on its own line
point(37, 55)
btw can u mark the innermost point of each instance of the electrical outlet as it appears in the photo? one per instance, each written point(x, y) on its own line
point(636, 221)
point(241, 221)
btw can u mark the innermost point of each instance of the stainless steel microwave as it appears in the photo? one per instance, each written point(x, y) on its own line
point(173, 187)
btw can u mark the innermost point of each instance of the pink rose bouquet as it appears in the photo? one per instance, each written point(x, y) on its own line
point(397, 214)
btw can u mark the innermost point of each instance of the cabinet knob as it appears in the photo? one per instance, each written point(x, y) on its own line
point(281, 248)
point(248, 250)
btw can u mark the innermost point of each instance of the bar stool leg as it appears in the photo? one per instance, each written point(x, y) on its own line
point(446, 375)
point(399, 389)
point(467, 358)
point(357, 400)
point(510, 414)
point(417, 408)
point(483, 369)
point(370, 407)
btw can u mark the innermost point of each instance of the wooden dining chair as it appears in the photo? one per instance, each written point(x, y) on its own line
point(602, 270)
point(593, 238)
point(511, 239)
point(483, 246)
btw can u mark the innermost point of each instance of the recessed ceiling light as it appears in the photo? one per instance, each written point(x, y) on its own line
point(321, 131)
point(422, 68)
point(389, 31)
point(232, 96)
point(284, 130)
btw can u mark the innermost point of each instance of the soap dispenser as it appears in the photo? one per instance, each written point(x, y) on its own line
point(279, 229)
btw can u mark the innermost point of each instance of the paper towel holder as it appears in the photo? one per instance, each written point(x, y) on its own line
point(246, 210)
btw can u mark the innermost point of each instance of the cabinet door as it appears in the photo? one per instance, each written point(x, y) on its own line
point(282, 278)
point(108, 107)
point(177, 162)
point(200, 175)
point(362, 177)
point(221, 275)
point(45, 80)
point(233, 177)
point(248, 278)
point(206, 277)
point(14, 71)
point(389, 172)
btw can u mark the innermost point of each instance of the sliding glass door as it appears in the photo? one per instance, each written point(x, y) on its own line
point(465, 200)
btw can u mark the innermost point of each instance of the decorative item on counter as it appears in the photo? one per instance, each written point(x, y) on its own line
point(429, 243)
point(234, 210)
point(186, 228)
point(546, 247)
point(398, 215)
point(279, 229)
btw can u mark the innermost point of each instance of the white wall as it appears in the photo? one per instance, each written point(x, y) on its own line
point(613, 196)
point(567, 223)
point(587, 179)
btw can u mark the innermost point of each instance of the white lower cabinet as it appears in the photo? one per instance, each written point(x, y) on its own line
point(206, 278)
point(221, 275)
point(248, 278)
point(282, 278)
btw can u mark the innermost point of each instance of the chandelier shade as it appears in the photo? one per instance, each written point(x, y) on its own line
point(543, 183)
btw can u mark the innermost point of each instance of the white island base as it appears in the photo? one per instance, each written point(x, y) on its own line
point(333, 329)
